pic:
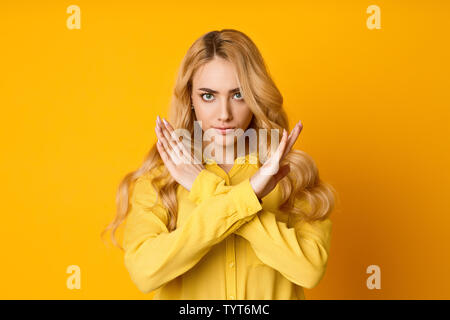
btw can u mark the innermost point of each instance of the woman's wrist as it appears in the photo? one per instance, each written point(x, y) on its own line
point(254, 190)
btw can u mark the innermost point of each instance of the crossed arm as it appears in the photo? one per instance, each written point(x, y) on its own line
point(300, 252)
point(154, 256)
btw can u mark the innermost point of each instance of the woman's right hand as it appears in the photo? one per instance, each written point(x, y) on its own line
point(176, 157)
point(270, 173)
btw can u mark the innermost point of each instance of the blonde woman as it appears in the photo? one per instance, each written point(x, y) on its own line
point(228, 226)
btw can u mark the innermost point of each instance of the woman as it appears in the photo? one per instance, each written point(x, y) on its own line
point(230, 226)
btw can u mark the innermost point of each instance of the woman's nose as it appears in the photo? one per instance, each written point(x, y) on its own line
point(225, 111)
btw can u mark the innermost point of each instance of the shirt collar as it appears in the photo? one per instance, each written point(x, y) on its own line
point(251, 158)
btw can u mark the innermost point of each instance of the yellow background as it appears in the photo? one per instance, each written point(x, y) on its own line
point(79, 107)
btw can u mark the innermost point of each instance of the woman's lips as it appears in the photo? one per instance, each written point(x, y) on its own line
point(224, 131)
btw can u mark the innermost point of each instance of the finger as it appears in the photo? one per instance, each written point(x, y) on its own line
point(271, 166)
point(165, 145)
point(281, 146)
point(175, 143)
point(159, 133)
point(164, 155)
point(184, 145)
point(293, 137)
point(174, 155)
point(162, 138)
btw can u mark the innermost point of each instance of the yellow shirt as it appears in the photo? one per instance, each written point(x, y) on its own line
point(227, 245)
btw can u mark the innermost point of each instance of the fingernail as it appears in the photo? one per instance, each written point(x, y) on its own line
point(165, 122)
point(158, 119)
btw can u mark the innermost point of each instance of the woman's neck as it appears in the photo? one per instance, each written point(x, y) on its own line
point(228, 156)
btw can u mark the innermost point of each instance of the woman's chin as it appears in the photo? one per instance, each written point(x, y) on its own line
point(224, 140)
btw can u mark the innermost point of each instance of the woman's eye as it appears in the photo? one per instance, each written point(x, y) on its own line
point(206, 94)
point(210, 97)
point(239, 95)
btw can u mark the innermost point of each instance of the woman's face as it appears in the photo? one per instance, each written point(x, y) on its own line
point(218, 102)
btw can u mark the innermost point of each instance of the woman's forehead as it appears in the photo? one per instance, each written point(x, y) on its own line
point(218, 76)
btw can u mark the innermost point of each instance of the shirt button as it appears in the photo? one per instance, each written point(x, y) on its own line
point(232, 297)
point(231, 264)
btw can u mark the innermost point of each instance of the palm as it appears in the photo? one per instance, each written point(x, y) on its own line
point(270, 173)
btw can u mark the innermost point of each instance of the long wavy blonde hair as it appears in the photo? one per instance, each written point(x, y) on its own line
point(266, 102)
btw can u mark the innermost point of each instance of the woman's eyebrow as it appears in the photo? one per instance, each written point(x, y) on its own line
point(214, 91)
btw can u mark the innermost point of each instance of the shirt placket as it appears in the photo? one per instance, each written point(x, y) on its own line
point(231, 267)
point(230, 255)
point(230, 258)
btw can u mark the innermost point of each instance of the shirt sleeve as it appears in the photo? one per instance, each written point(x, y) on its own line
point(299, 253)
point(153, 255)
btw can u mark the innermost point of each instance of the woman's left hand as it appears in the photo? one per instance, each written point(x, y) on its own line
point(270, 173)
point(177, 159)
